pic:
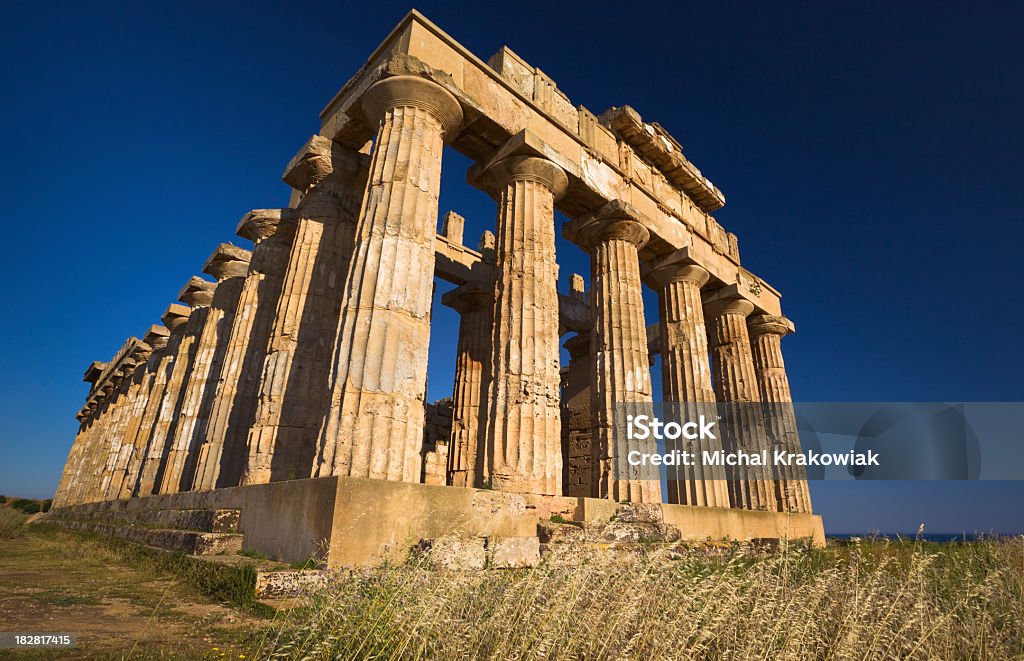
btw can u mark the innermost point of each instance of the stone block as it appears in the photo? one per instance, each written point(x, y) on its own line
point(618, 532)
point(560, 533)
point(277, 584)
point(639, 512)
point(453, 552)
point(513, 552)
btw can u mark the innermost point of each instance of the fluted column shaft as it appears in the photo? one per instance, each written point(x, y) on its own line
point(61, 496)
point(523, 436)
point(577, 419)
point(374, 427)
point(123, 435)
point(294, 388)
point(622, 377)
point(198, 394)
point(142, 477)
point(136, 433)
point(106, 448)
point(236, 397)
point(766, 333)
point(736, 386)
point(465, 456)
point(92, 430)
point(162, 430)
point(77, 482)
point(686, 385)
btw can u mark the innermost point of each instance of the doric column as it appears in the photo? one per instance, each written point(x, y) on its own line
point(139, 377)
point(621, 377)
point(197, 294)
point(523, 435)
point(222, 451)
point(228, 264)
point(577, 419)
point(68, 489)
point(175, 318)
point(294, 387)
point(686, 387)
point(99, 446)
point(766, 333)
point(112, 391)
point(374, 427)
point(149, 384)
point(735, 382)
point(465, 456)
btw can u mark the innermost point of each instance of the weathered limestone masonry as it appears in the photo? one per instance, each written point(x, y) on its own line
point(147, 356)
point(236, 397)
point(523, 433)
point(621, 373)
point(686, 375)
point(301, 373)
point(228, 264)
point(375, 424)
point(766, 332)
point(175, 318)
point(293, 382)
point(465, 451)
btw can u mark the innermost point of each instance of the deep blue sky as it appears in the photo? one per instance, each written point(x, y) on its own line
point(870, 155)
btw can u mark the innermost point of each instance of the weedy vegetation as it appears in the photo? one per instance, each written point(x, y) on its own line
point(869, 599)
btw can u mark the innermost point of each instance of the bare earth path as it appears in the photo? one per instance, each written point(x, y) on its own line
point(53, 581)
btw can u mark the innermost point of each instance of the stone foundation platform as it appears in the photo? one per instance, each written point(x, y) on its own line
point(358, 522)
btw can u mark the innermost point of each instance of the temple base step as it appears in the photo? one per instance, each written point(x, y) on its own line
point(349, 522)
point(187, 541)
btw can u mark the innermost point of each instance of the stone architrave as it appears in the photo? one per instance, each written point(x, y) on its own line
point(222, 452)
point(686, 386)
point(229, 265)
point(735, 382)
point(197, 294)
point(621, 364)
point(523, 433)
point(465, 455)
point(175, 318)
point(294, 381)
point(374, 427)
point(766, 333)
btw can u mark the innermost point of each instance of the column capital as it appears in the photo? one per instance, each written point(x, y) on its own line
point(578, 346)
point(261, 224)
point(524, 167)
point(94, 371)
point(320, 159)
point(175, 316)
point(227, 261)
point(615, 220)
point(770, 324)
point(197, 292)
point(468, 297)
point(727, 305)
point(677, 266)
point(156, 336)
point(413, 92)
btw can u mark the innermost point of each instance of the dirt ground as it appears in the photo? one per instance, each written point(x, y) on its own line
point(53, 581)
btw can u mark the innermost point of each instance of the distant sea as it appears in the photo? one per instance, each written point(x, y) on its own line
point(928, 536)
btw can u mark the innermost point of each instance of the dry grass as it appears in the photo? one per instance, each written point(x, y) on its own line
point(875, 599)
point(11, 521)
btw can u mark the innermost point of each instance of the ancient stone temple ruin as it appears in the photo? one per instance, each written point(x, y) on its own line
point(288, 381)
